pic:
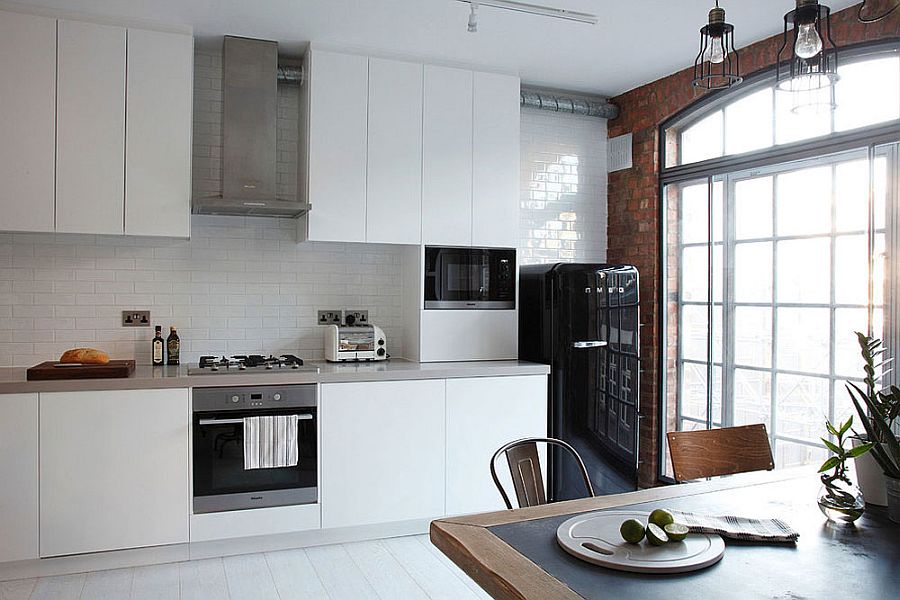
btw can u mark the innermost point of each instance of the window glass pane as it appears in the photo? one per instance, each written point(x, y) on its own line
point(753, 336)
point(694, 214)
point(694, 390)
point(878, 275)
point(801, 405)
point(703, 140)
point(804, 336)
point(851, 269)
point(752, 397)
point(694, 332)
point(881, 183)
point(868, 92)
point(695, 274)
point(804, 271)
point(718, 273)
point(847, 321)
point(753, 272)
point(794, 127)
point(748, 123)
point(851, 196)
point(843, 406)
point(803, 202)
point(790, 454)
point(753, 208)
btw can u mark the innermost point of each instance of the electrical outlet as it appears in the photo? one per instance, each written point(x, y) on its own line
point(135, 318)
point(329, 317)
point(356, 317)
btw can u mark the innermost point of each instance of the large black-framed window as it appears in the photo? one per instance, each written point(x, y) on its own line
point(777, 235)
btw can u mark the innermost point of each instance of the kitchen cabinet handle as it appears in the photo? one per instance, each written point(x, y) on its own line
point(240, 421)
point(591, 344)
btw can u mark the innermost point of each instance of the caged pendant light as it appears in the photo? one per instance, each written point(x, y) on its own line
point(808, 59)
point(718, 65)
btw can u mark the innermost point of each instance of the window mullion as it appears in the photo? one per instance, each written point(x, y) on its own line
point(728, 310)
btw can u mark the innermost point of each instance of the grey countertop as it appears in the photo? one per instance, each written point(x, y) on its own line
point(13, 381)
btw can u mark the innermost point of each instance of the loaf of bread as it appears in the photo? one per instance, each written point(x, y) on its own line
point(85, 356)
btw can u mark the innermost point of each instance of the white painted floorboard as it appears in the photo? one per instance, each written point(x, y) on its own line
point(408, 568)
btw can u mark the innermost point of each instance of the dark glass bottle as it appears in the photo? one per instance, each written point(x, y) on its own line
point(159, 348)
point(173, 346)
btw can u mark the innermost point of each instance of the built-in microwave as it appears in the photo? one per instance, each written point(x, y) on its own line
point(470, 278)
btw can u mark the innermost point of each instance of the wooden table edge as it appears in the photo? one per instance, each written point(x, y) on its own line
point(507, 575)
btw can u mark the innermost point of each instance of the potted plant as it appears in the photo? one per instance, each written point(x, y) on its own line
point(839, 499)
point(878, 410)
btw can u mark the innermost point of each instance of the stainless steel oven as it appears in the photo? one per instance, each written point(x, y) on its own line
point(470, 278)
point(221, 483)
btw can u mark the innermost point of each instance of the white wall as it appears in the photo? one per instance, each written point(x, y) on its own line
point(243, 284)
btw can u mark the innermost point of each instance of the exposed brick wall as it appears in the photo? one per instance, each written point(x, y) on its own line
point(634, 193)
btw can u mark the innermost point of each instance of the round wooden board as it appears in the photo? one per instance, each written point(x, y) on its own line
point(595, 538)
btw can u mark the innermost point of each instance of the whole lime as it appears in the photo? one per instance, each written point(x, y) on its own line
point(656, 536)
point(676, 531)
point(632, 531)
point(661, 517)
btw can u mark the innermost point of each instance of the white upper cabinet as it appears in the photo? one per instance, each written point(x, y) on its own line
point(158, 134)
point(495, 161)
point(337, 151)
point(27, 121)
point(394, 173)
point(90, 129)
point(447, 157)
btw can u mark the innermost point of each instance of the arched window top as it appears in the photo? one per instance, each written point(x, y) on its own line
point(756, 117)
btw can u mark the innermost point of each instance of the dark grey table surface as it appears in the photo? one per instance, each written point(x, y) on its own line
point(861, 561)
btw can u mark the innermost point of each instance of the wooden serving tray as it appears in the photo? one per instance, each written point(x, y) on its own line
point(50, 371)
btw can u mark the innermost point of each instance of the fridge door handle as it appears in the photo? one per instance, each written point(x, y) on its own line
point(591, 344)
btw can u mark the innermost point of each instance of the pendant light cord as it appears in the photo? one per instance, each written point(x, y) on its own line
point(867, 20)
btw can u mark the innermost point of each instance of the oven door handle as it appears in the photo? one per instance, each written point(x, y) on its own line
point(241, 421)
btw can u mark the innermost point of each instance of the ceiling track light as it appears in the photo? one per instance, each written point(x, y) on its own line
point(718, 65)
point(812, 61)
point(881, 17)
point(531, 9)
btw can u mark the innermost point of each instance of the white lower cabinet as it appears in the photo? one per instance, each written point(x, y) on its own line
point(484, 413)
point(113, 470)
point(383, 450)
point(19, 472)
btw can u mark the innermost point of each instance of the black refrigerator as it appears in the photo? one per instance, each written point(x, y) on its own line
point(583, 321)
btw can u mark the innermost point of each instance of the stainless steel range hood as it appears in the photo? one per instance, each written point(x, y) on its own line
point(249, 150)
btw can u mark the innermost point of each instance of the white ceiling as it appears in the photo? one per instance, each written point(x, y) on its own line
point(635, 42)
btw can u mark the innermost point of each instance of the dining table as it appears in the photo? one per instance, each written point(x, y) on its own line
point(514, 554)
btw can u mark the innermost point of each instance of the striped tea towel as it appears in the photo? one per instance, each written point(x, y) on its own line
point(270, 442)
point(739, 528)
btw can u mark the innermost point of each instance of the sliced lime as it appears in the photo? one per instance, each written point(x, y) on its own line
point(676, 531)
point(632, 531)
point(655, 535)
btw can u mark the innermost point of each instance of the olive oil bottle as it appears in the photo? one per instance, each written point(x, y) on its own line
point(173, 346)
point(159, 348)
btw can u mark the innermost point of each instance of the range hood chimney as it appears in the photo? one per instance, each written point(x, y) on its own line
point(249, 150)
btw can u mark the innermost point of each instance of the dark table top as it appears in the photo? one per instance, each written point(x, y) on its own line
point(829, 561)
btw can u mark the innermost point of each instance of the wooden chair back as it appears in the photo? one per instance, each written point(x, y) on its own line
point(725, 451)
point(525, 470)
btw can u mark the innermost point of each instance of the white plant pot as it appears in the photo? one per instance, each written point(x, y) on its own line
point(870, 478)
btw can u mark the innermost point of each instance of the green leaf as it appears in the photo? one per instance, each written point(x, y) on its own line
point(829, 464)
point(833, 447)
point(859, 450)
point(831, 429)
point(846, 426)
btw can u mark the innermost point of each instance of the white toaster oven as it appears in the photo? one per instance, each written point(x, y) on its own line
point(355, 343)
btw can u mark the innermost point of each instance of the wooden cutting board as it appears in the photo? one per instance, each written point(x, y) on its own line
point(51, 371)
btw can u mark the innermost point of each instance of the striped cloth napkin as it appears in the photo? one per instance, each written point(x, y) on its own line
point(270, 442)
point(739, 528)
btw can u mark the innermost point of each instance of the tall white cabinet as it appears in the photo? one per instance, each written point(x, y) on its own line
point(447, 157)
point(113, 470)
point(27, 121)
point(90, 129)
point(158, 133)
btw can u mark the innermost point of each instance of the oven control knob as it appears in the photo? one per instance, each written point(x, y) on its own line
point(381, 342)
point(380, 352)
point(235, 399)
point(276, 397)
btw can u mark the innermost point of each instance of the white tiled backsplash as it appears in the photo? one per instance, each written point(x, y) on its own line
point(243, 284)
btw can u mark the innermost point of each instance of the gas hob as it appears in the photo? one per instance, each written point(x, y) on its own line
point(250, 363)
